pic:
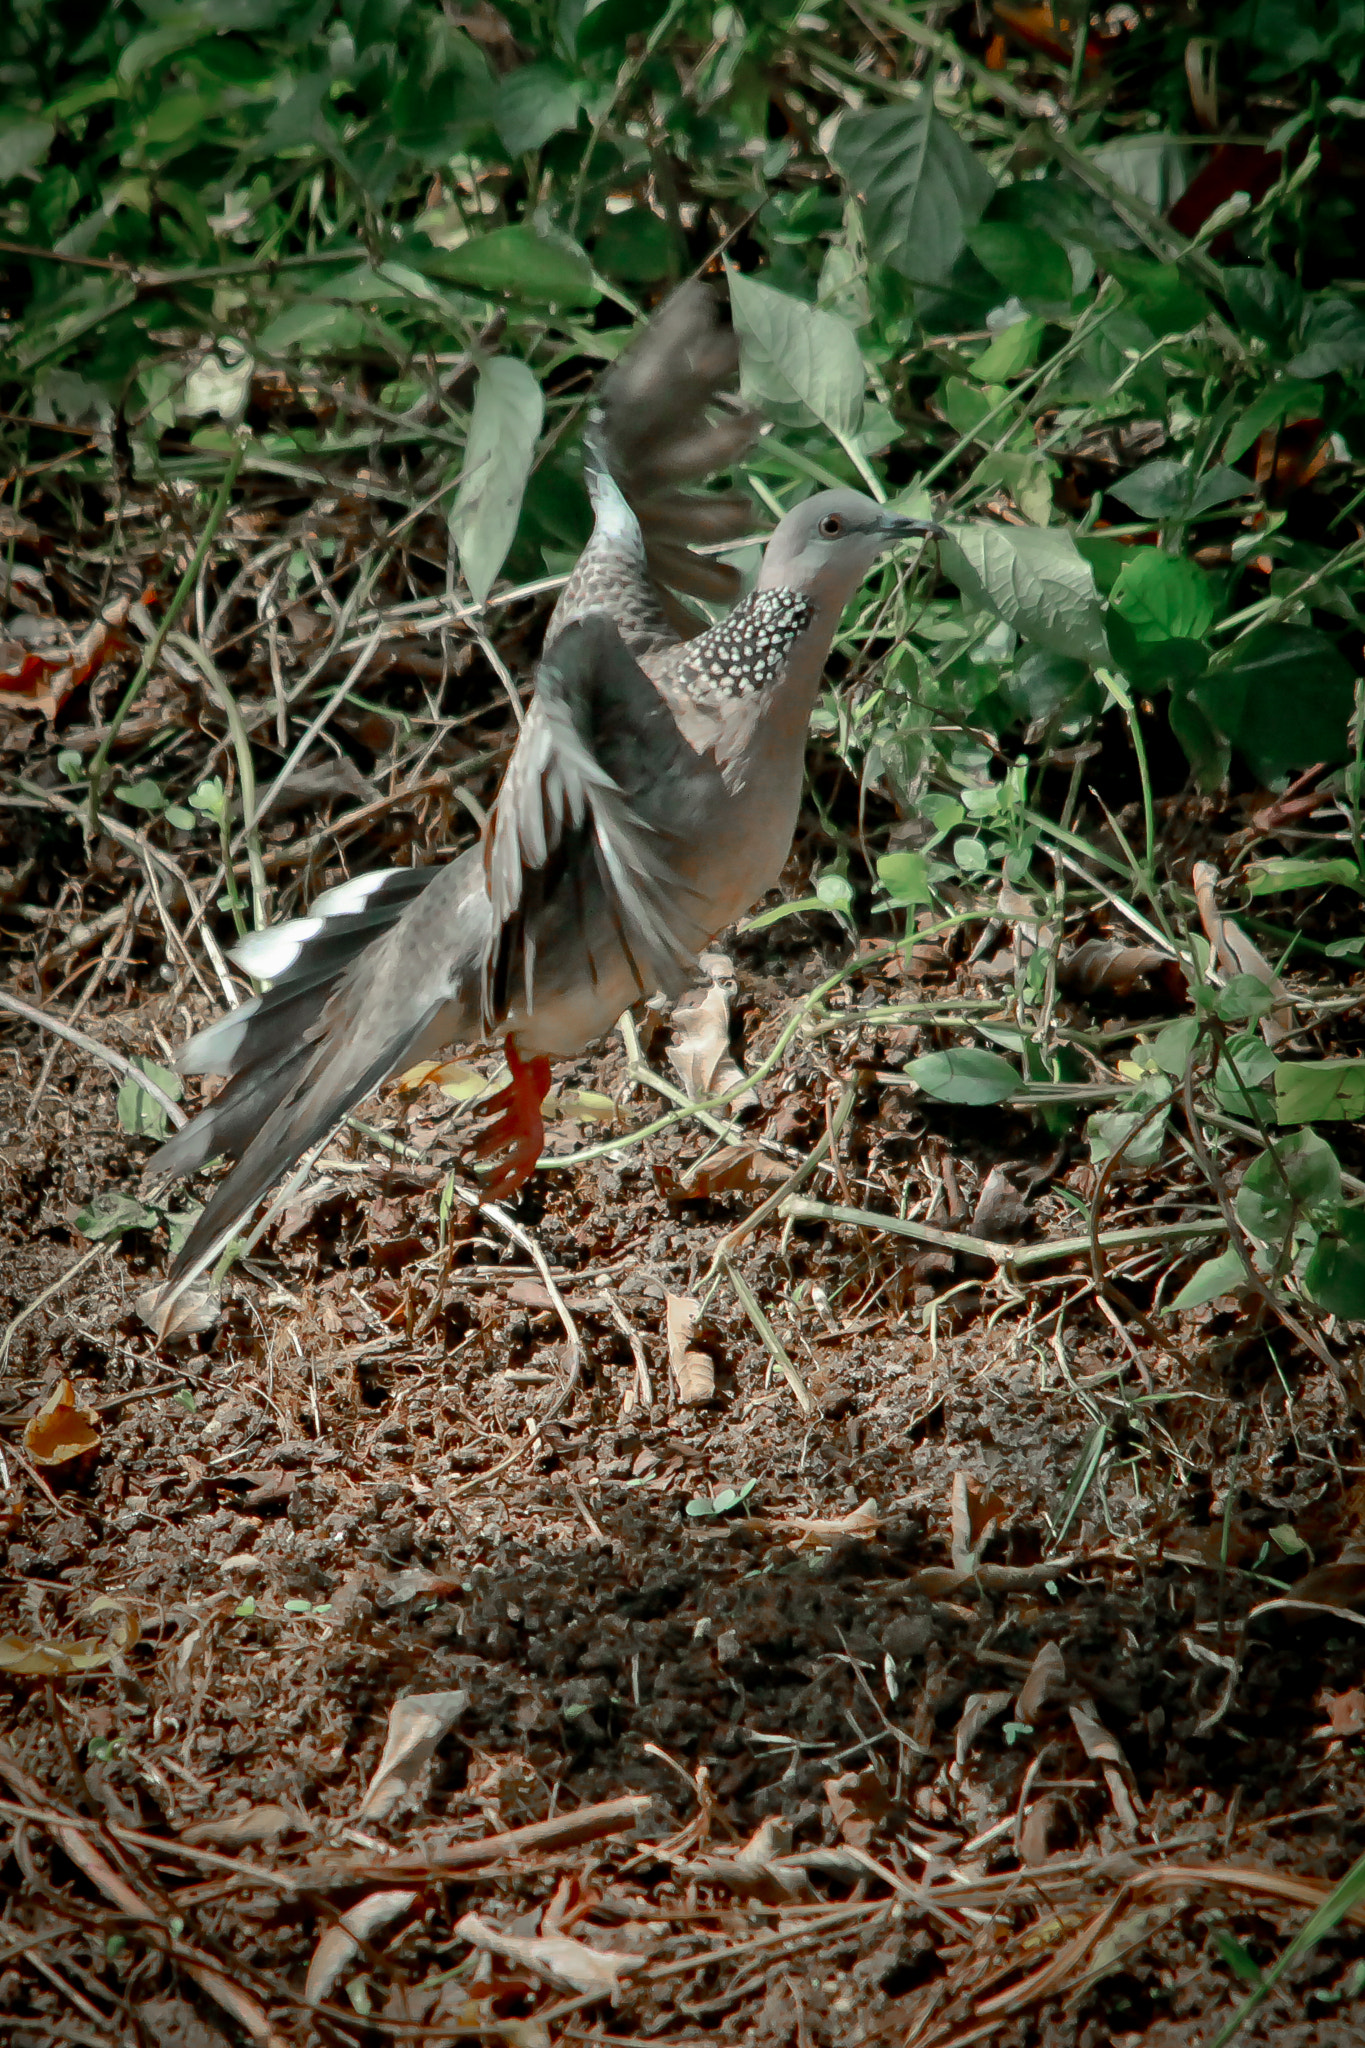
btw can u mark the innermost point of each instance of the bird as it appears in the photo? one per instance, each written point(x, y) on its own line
point(649, 801)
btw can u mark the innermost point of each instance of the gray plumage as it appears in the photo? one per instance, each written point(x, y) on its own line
point(649, 801)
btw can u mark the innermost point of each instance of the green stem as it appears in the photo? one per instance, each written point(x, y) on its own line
point(173, 610)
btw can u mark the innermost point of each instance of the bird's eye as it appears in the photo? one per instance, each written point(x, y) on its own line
point(831, 526)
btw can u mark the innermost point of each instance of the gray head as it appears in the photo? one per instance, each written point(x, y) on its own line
point(826, 546)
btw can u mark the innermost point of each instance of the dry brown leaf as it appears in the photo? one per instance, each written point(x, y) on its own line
point(693, 1373)
point(1236, 953)
point(979, 1710)
point(187, 1314)
point(344, 1941)
point(62, 1429)
point(555, 1958)
point(1046, 1680)
point(858, 1803)
point(813, 1531)
point(23, 1657)
point(1106, 965)
point(700, 1052)
point(735, 1169)
point(417, 1724)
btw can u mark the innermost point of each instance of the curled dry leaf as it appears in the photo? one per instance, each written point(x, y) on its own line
point(760, 1869)
point(1100, 1746)
point(187, 1314)
point(43, 682)
point(1046, 1680)
point(814, 1532)
point(1236, 954)
point(555, 1958)
point(342, 1943)
point(1105, 966)
point(735, 1169)
point(22, 1657)
point(61, 1430)
point(693, 1373)
point(417, 1724)
point(700, 1052)
point(858, 1803)
point(979, 1710)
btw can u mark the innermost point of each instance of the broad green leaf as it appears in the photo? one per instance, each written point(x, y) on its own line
point(1034, 578)
point(111, 1213)
point(503, 429)
point(1163, 597)
point(835, 891)
point(1320, 1091)
point(1014, 350)
point(1278, 875)
point(1223, 1275)
point(1169, 490)
point(23, 143)
point(1334, 1277)
point(1246, 1067)
point(140, 1112)
point(966, 406)
point(790, 350)
point(538, 269)
point(1283, 1186)
point(533, 103)
point(905, 878)
point(1025, 260)
point(143, 796)
point(1284, 695)
point(311, 324)
point(1174, 1046)
point(1291, 397)
point(639, 246)
point(1333, 339)
point(1151, 168)
point(968, 1076)
point(919, 185)
point(1137, 1131)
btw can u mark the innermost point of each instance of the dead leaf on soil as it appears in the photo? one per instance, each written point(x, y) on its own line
point(694, 1375)
point(24, 1657)
point(1236, 953)
point(555, 1958)
point(343, 1942)
point(735, 1169)
point(1047, 1680)
point(979, 1710)
point(760, 1869)
point(417, 1724)
point(813, 1531)
point(241, 1830)
point(700, 1052)
point(62, 1429)
point(188, 1314)
point(858, 1804)
point(1106, 966)
point(1101, 1748)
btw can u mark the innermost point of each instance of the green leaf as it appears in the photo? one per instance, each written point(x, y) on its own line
point(968, 1075)
point(1281, 1187)
point(537, 269)
point(1014, 350)
point(1276, 403)
point(533, 103)
point(1174, 1046)
point(1222, 1275)
point(905, 878)
point(919, 185)
point(835, 891)
point(1333, 339)
point(1034, 578)
point(638, 246)
point(23, 144)
point(143, 796)
point(1279, 874)
point(1138, 1131)
point(1245, 1068)
point(1334, 1277)
point(1320, 1091)
point(1163, 597)
point(155, 44)
point(111, 1213)
point(140, 1112)
point(504, 427)
point(1027, 262)
point(1170, 490)
point(790, 350)
point(1284, 695)
point(311, 324)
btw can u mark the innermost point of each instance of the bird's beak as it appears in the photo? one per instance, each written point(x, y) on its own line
point(900, 526)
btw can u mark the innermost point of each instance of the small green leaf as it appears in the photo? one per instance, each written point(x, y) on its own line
point(1334, 1277)
point(1014, 350)
point(503, 430)
point(1025, 260)
point(70, 765)
point(23, 145)
point(209, 797)
point(537, 269)
point(1284, 695)
point(1333, 339)
point(1320, 1091)
point(905, 878)
point(138, 1111)
point(533, 103)
point(967, 1075)
point(1283, 1186)
point(245, 1608)
point(1291, 396)
point(183, 820)
point(143, 796)
point(1223, 1275)
point(1278, 875)
point(1174, 1045)
point(835, 891)
point(111, 1214)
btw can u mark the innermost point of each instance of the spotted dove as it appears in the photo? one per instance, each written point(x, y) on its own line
point(649, 801)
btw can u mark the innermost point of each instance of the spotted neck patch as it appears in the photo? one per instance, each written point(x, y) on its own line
point(747, 652)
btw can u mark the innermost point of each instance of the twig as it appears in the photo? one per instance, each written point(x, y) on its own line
point(95, 1050)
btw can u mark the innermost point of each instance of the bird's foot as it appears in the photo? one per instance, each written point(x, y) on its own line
point(517, 1131)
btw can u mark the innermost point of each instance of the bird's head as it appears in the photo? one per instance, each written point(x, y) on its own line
point(825, 546)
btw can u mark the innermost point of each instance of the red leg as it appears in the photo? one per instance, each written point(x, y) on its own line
point(517, 1129)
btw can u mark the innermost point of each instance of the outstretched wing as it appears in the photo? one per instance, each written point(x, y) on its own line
point(583, 845)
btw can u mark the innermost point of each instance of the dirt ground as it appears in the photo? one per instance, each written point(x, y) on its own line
point(955, 1720)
